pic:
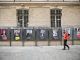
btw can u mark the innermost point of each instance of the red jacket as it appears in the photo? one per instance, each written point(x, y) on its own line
point(65, 37)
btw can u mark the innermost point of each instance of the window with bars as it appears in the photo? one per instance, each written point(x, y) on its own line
point(22, 17)
point(55, 17)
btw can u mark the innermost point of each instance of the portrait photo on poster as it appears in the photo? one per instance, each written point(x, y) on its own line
point(28, 34)
point(55, 34)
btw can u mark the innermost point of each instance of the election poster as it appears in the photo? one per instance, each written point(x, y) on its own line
point(17, 34)
point(29, 34)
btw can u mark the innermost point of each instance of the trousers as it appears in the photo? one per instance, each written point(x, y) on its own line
point(65, 44)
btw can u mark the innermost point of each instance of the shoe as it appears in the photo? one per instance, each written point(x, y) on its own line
point(63, 49)
point(68, 48)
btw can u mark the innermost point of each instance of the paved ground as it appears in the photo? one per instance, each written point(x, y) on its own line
point(40, 53)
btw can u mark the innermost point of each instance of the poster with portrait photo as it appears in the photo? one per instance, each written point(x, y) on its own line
point(17, 34)
point(54, 34)
point(3, 34)
point(29, 34)
point(78, 33)
point(42, 33)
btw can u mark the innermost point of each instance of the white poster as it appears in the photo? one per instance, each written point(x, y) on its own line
point(68, 30)
point(54, 33)
point(16, 31)
point(42, 33)
point(29, 31)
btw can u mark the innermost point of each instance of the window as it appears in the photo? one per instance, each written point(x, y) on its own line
point(55, 17)
point(22, 16)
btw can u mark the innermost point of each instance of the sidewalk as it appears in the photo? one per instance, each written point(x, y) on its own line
point(40, 53)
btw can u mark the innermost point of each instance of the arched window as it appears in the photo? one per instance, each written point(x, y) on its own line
point(55, 17)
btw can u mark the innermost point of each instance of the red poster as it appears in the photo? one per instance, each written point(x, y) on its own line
point(78, 32)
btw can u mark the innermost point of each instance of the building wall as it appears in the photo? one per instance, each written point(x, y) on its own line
point(70, 16)
point(40, 16)
point(8, 17)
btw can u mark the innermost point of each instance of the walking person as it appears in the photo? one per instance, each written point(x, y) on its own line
point(65, 38)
